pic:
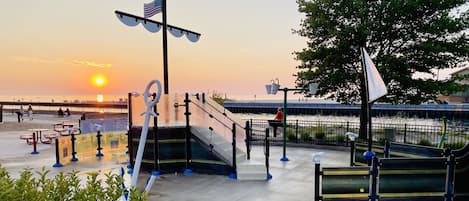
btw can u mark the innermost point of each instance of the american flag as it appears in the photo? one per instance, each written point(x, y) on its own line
point(153, 8)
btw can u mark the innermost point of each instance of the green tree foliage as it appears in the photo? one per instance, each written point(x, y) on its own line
point(403, 37)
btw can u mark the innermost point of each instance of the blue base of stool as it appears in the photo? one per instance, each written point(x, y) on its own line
point(35, 152)
point(155, 173)
point(269, 176)
point(99, 155)
point(130, 171)
point(284, 159)
point(57, 165)
point(233, 176)
point(74, 159)
point(187, 172)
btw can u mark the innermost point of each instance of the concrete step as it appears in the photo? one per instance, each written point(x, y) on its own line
point(251, 170)
point(250, 166)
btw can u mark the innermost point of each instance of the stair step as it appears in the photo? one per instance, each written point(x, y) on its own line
point(252, 176)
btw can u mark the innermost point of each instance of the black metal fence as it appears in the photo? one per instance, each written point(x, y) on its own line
point(333, 133)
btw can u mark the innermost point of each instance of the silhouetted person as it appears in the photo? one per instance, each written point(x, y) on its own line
point(60, 112)
point(30, 112)
point(20, 116)
point(67, 112)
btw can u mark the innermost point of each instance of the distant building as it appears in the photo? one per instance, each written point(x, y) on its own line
point(459, 97)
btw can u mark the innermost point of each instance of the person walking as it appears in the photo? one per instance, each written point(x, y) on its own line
point(20, 113)
point(30, 112)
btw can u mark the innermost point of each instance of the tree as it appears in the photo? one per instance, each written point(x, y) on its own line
point(403, 37)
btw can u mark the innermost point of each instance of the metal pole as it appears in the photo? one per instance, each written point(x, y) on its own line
point(130, 150)
point(449, 190)
point(267, 153)
point(99, 154)
point(35, 144)
point(74, 158)
point(188, 169)
point(156, 143)
point(284, 158)
point(352, 153)
point(233, 175)
point(165, 47)
point(57, 154)
point(317, 173)
point(248, 140)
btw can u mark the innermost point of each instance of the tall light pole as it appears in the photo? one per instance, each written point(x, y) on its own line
point(272, 89)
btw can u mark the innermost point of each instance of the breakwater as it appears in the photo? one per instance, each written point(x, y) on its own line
point(51, 108)
point(451, 111)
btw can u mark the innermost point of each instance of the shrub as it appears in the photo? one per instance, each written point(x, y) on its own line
point(425, 142)
point(340, 138)
point(64, 186)
point(319, 132)
point(305, 136)
point(455, 145)
point(291, 136)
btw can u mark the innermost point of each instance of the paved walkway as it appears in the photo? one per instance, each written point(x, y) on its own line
point(292, 181)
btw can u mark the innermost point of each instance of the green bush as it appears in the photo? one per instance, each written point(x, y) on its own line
point(319, 132)
point(381, 141)
point(291, 136)
point(64, 186)
point(305, 136)
point(340, 138)
point(455, 145)
point(425, 142)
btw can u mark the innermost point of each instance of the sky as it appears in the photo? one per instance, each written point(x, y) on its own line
point(55, 47)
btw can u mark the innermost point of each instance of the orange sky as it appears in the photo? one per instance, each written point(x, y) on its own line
point(55, 47)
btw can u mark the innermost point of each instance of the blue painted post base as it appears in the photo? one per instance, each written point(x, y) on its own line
point(284, 159)
point(233, 176)
point(57, 165)
point(155, 173)
point(129, 165)
point(269, 176)
point(99, 154)
point(187, 172)
point(35, 152)
point(74, 159)
point(130, 171)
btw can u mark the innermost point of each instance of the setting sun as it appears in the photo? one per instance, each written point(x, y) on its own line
point(99, 80)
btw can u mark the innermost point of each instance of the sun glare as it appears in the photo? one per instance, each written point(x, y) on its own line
point(99, 80)
point(100, 98)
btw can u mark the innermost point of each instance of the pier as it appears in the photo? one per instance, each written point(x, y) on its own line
point(456, 111)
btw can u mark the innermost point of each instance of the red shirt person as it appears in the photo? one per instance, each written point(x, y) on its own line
point(279, 115)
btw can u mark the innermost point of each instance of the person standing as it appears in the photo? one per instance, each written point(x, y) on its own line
point(278, 117)
point(30, 112)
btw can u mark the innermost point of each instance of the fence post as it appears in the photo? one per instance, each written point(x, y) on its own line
point(387, 146)
point(188, 169)
point(296, 131)
point(74, 158)
point(449, 190)
point(405, 133)
point(248, 140)
point(374, 179)
point(267, 153)
point(352, 153)
point(34, 144)
point(233, 130)
point(57, 154)
point(317, 174)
